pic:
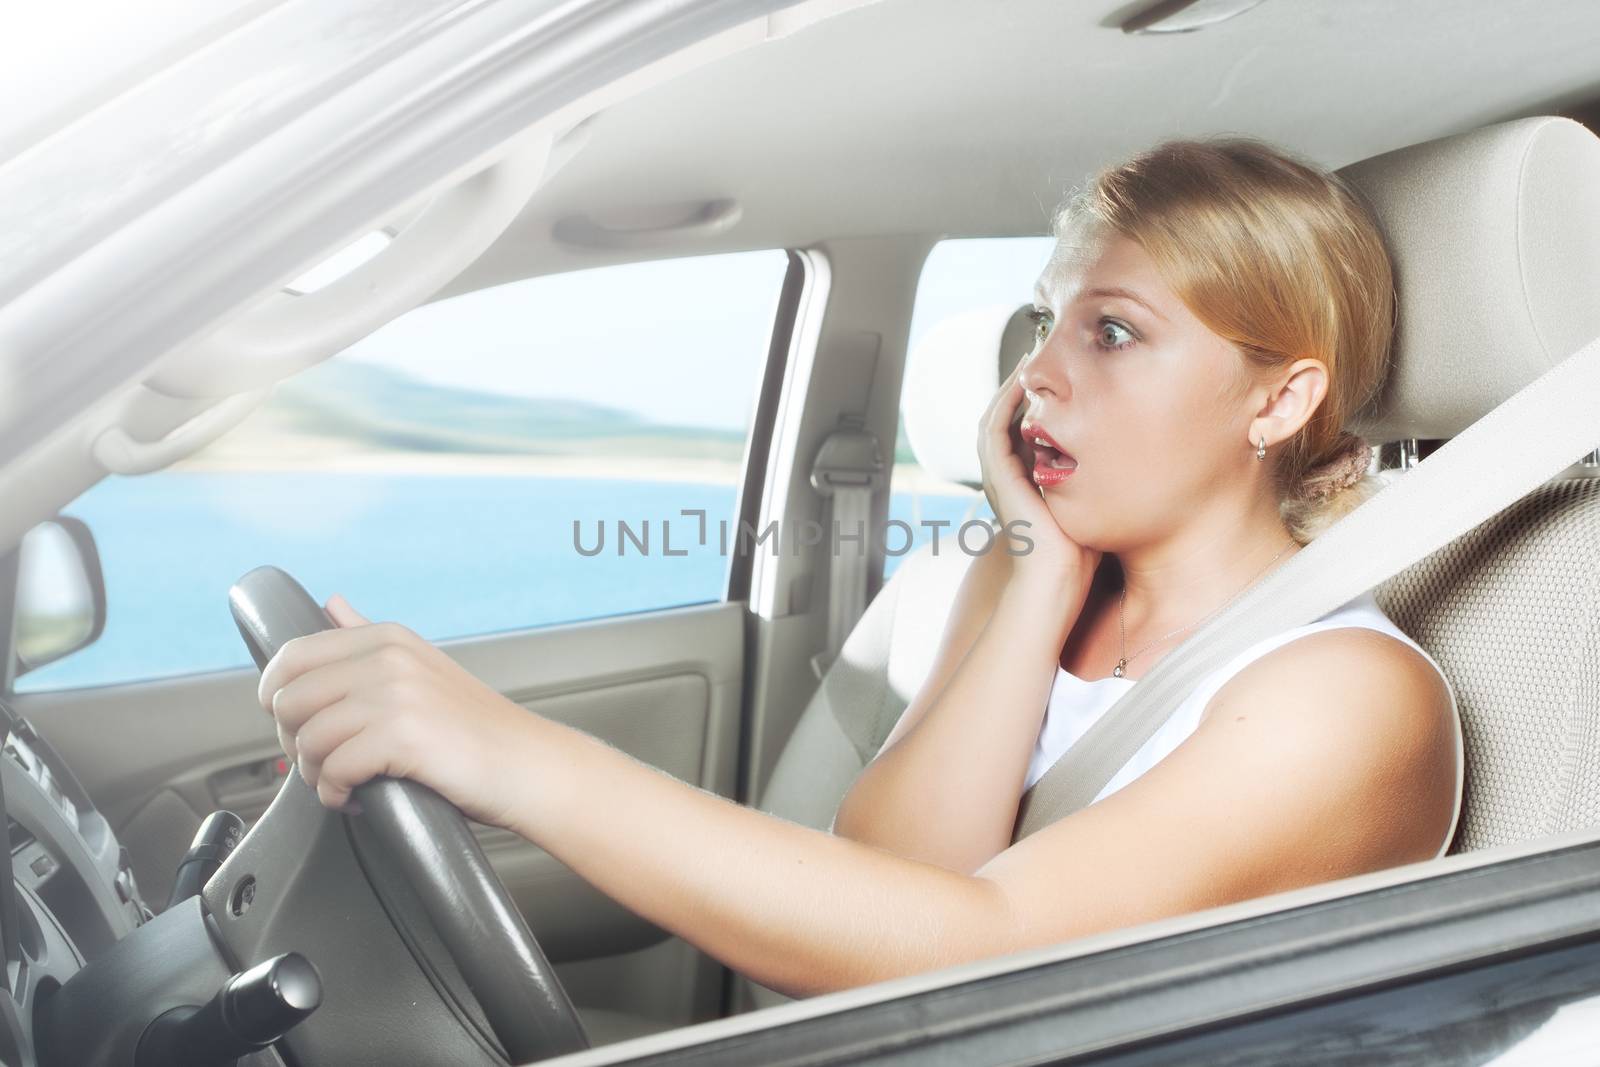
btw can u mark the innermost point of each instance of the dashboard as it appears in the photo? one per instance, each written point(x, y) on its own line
point(72, 896)
point(63, 851)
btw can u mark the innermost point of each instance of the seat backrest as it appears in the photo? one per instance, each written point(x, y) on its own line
point(1512, 613)
point(880, 667)
point(1495, 236)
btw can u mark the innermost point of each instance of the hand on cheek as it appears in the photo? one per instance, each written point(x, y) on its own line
point(369, 699)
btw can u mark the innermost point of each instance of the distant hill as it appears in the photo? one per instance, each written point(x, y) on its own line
point(902, 445)
point(345, 405)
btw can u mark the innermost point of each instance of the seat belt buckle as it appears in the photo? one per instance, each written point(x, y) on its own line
point(848, 459)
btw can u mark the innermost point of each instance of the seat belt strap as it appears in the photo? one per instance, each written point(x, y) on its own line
point(1538, 432)
point(848, 470)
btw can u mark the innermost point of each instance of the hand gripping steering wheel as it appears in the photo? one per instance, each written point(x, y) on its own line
point(426, 841)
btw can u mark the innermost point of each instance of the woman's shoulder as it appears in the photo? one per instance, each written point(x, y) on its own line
point(1357, 634)
point(1352, 646)
point(1368, 703)
point(1346, 668)
point(1363, 634)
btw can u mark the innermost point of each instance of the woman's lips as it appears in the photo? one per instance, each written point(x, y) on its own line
point(1051, 465)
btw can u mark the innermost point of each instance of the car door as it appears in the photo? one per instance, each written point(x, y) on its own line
point(1488, 959)
point(541, 477)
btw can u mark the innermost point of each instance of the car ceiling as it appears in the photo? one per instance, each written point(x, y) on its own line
point(975, 117)
point(928, 118)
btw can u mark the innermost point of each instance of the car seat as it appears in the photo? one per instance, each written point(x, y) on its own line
point(1496, 240)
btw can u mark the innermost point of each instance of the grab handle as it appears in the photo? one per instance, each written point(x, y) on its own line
point(285, 332)
point(119, 453)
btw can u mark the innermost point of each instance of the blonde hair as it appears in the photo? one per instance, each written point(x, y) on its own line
point(1285, 261)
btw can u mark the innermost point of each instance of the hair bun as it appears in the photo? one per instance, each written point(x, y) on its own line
point(1344, 468)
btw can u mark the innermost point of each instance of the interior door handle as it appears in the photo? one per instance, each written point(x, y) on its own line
point(247, 788)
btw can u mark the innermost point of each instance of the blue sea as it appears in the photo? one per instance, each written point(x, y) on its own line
point(447, 555)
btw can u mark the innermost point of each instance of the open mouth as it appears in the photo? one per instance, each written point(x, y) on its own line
point(1051, 466)
point(1045, 453)
point(1046, 456)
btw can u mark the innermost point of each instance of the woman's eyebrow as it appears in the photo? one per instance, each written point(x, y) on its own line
point(1043, 300)
point(1125, 294)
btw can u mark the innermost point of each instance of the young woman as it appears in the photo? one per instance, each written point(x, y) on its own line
point(1214, 312)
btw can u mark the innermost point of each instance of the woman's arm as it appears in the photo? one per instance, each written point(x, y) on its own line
point(944, 787)
point(796, 909)
point(1288, 783)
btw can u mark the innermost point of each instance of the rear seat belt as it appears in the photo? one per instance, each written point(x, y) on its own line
point(1539, 431)
point(848, 471)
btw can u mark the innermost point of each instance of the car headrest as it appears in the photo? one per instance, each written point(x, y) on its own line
point(1495, 238)
point(951, 376)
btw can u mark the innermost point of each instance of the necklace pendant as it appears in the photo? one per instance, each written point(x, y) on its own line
point(1116, 672)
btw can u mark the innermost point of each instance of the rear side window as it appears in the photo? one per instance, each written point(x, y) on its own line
point(958, 275)
point(502, 459)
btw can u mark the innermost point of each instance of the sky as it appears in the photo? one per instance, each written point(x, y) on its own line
point(677, 341)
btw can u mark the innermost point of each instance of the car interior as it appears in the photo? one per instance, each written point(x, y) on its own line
point(866, 136)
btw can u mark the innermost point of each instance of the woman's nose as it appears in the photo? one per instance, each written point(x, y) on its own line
point(1040, 374)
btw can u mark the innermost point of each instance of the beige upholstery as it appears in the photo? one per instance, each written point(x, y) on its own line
point(879, 669)
point(1496, 240)
point(1512, 613)
point(1494, 236)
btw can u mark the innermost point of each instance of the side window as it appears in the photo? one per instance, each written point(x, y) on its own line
point(502, 459)
point(959, 275)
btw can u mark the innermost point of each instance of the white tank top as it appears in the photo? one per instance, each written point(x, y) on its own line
point(1076, 703)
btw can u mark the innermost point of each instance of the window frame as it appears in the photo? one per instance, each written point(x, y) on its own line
point(1154, 987)
point(750, 501)
point(737, 574)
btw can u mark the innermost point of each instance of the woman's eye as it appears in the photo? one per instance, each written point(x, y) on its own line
point(1041, 323)
point(1114, 334)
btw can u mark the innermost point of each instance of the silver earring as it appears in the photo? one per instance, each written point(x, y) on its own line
point(1261, 448)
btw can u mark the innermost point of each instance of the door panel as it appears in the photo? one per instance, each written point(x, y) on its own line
point(661, 686)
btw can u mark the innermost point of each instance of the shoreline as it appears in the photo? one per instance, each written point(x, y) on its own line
point(906, 477)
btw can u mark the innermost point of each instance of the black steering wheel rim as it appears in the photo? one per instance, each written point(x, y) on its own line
point(429, 840)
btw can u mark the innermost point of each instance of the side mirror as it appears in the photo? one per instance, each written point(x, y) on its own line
point(61, 593)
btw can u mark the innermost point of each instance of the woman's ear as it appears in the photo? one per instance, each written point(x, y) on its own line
point(1291, 405)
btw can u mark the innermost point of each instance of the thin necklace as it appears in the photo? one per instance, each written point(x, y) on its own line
point(1122, 661)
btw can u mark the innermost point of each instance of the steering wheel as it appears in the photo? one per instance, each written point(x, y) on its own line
point(407, 832)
